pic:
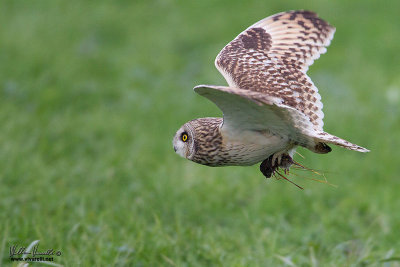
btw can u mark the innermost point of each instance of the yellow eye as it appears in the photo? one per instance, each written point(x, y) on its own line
point(184, 137)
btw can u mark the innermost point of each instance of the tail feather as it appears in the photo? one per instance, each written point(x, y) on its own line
point(331, 139)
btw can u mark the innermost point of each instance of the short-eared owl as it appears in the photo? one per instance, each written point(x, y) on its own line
point(271, 106)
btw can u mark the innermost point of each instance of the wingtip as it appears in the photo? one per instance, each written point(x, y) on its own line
point(198, 88)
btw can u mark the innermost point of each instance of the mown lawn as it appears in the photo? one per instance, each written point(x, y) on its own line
point(92, 92)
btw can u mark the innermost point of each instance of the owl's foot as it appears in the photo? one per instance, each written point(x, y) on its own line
point(272, 163)
point(271, 166)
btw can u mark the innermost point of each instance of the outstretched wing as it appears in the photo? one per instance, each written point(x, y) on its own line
point(254, 111)
point(272, 57)
point(246, 110)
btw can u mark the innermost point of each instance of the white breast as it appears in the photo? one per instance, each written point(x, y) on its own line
point(251, 147)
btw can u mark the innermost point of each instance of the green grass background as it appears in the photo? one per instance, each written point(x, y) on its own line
point(92, 92)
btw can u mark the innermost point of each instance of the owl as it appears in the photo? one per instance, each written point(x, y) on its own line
point(271, 106)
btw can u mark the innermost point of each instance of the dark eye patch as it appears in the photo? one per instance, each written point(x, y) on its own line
point(184, 137)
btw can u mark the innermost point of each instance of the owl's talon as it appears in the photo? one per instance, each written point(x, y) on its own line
point(276, 157)
point(272, 163)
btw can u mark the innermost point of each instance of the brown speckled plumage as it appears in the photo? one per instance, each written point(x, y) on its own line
point(271, 105)
point(208, 141)
point(272, 57)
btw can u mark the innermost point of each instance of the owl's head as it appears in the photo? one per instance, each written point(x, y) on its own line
point(199, 140)
point(183, 142)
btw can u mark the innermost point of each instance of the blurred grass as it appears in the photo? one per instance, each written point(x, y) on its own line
point(92, 93)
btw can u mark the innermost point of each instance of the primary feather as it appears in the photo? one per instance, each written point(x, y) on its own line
point(273, 55)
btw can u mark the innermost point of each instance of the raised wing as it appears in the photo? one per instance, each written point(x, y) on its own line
point(249, 110)
point(272, 57)
point(297, 37)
